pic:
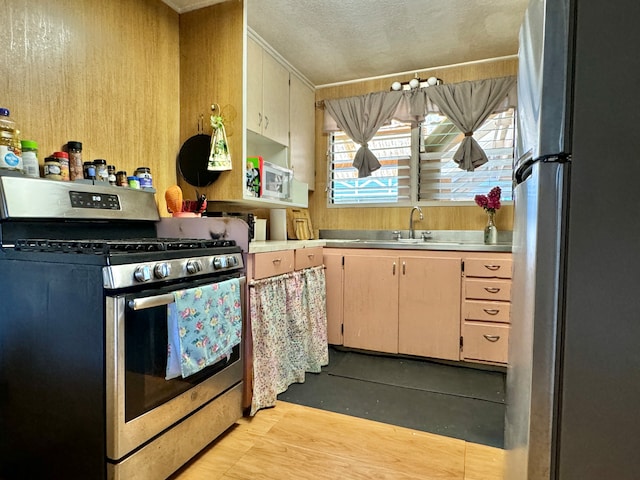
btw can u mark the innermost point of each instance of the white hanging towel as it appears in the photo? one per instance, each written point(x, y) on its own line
point(219, 158)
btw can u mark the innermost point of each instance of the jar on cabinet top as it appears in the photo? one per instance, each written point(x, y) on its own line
point(76, 170)
point(102, 173)
point(10, 148)
point(52, 168)
point(111, 170)
point(30, 162)
point(89, 171)
point(121, 179)
point(144, 175)
point(63, 159)
point(134, 182)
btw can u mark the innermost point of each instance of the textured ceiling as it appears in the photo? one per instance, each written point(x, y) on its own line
point(331, 41)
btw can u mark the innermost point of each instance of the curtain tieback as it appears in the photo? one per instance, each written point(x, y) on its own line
point(468, 134)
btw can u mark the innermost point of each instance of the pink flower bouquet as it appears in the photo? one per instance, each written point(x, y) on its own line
point(490, 202)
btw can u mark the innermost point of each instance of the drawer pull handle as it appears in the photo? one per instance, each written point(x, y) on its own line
point(276, 260)
point(492, 289)
point(311, 255)
point(492, 338)
point(491, 311)
point(492, 267)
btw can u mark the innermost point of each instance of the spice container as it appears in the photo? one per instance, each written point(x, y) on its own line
point(102, 173)
point(63, 159)
point(144, 175)
point(52, 168)
point(89, 171)
point(121, 179)
point(30, 162)
point(10, 149)
point(134, 182)
point(111, 170)
point(76, 167)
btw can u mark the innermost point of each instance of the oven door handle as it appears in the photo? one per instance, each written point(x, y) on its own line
point(150, 302)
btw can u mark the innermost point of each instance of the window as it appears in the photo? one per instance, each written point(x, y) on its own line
point(389, 184)
point(427, 159)
point(440, 177)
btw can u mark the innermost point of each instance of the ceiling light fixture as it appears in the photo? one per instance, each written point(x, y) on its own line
point(416, 82)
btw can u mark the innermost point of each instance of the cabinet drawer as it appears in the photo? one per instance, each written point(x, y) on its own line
point(308, 257)
point(481, 289)
point(487, 267)
point(487, 311)
point(269, 264)
point(485, 341)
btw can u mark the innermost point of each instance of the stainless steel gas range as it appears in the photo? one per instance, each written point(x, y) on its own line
point(86, 290)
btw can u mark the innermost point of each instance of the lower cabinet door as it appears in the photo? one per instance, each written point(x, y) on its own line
point(429, 307)
point(488, 342)
point(371, 303)
point(335, 305)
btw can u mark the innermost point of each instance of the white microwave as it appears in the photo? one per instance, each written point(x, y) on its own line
point(275, 181)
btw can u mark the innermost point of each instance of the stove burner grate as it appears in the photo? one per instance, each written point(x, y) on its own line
point(111, 247)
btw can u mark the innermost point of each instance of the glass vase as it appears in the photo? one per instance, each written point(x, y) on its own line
point(491, 231)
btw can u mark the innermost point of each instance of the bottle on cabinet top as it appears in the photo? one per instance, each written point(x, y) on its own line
point(10, 147)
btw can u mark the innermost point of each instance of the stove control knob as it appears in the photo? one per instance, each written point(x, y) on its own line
point(194, 266)
point(232, 261)
point(142, 273)
point(219, 262)
point(162, 270)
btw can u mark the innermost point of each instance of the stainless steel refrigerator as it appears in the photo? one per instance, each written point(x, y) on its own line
point(573, 381)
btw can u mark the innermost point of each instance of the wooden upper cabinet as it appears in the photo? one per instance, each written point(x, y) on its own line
point(254, 86)
point(267, 94)
point(302, 126)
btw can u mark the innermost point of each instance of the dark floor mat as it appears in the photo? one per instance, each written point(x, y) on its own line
point(422, 375)
point(469, 419)
point(449, 400)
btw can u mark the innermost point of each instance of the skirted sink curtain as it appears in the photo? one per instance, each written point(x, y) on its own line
point(289, 328)
point(466, 104)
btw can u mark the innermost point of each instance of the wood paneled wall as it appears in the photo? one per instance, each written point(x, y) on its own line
point(104, 73)
point(436, 218)
point(211, 46)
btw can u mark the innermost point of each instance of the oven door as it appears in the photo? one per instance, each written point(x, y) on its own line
point(140, 403)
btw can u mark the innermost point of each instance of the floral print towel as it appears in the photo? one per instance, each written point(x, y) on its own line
point(208, 321)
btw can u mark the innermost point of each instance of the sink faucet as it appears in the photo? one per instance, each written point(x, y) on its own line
point(412, 233)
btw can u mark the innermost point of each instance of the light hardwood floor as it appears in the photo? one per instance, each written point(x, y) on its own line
point(294, 442)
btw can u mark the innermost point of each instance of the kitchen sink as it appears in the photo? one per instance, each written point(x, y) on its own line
point(465, 240)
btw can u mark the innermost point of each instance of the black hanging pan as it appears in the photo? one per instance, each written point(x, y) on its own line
point(193, 160)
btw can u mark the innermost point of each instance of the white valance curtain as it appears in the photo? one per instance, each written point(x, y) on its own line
point(466, 104)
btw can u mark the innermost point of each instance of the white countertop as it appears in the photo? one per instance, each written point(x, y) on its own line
point(275, 245)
